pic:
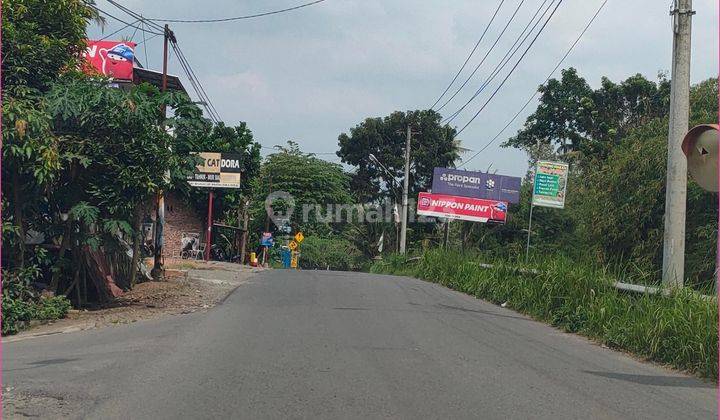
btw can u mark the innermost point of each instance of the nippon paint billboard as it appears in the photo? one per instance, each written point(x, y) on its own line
point(463, 208)
point(476, 184)
point(111, 58)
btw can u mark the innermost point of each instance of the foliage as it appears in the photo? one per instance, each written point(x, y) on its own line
point(329, 253)
point(680, 329)
point(572, 116)
point(21, 303)
point(309, 180)
point(433, 145)
point(41, 39)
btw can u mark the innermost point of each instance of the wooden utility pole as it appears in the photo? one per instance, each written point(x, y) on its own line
point(244, 233)
point(160, 210)
point(673, 272)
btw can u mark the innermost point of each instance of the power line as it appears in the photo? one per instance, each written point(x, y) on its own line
point(492, 47)
point(184, 63)
point(120, 20)
point(514, 48)
point(557, 66)
point(195, 82)
point(470, 55)
point(119, 30)
point(512, 70)
point(274, 12)
point(137, 16)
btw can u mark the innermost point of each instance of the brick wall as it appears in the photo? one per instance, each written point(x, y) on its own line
point(180, 217)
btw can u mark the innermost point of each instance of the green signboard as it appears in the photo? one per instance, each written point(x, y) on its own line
point(550, 184)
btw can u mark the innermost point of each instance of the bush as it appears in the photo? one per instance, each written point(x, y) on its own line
point(21, 304)
point(680, 329)
point(329, 253)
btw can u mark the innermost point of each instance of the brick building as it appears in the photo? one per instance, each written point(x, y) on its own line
point(180, 218)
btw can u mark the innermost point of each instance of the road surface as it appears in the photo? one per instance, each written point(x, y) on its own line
point(316, 344)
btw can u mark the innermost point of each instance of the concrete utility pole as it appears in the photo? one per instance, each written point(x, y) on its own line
point(676, 188)
point(406, 185)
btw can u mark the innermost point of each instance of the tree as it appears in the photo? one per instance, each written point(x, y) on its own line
point(41, 39)
point(572, 117)
point(116, 152)
point(384, 138)
point(309, 181)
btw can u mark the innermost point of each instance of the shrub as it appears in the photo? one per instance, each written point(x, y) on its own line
point(21, 304)
point(329, 253)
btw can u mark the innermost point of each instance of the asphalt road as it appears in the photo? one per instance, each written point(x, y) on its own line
point(317, 344)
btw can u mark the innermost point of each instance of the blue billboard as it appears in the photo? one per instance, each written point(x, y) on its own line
point(476, 184)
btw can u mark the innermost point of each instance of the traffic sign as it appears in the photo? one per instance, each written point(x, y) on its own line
point(294, 260)
point(299, 237)
point(293, 245)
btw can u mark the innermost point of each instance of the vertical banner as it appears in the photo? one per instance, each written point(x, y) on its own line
point(550, 184)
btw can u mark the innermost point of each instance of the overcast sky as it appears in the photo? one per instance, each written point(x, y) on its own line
point(310, 74)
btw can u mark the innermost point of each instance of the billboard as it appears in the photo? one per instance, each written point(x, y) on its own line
point(476, 184)
point(217, 170)
point(463, 208)
point(550, 184)
point(111, 58)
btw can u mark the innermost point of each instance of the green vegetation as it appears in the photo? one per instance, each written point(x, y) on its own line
point(329, 253)
point(680, 329)
point(615, 139)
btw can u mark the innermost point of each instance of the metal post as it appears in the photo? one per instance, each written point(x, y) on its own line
point(243, 238)
point(527, 247)
point(208, 237)
point(406, 185)
point(446, 235)
point(160, 208)
point(673, 272)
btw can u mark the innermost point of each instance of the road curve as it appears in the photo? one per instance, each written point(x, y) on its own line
point(317, 344)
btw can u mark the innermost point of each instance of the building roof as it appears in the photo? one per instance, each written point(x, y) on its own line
point(155, 78)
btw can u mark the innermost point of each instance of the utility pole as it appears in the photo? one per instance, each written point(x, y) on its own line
point(406, 185)
point(673, 272)
point(160, 210)
point(244, 234)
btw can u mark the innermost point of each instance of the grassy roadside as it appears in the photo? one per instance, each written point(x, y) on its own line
point(680, 330)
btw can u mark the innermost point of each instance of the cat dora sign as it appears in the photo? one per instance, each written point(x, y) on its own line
point(217, 170)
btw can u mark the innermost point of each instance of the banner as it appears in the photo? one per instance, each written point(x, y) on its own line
point(111, 58)
point(463, 208)
point(217, 170)
point(550, 184)
point(476, 184)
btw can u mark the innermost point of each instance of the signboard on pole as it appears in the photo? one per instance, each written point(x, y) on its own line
point(449, 181)
point(217, 170)
point(111, 58)
point(463, 208)
point(550, 184)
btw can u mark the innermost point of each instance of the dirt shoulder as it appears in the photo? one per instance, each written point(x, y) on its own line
point(189, 286)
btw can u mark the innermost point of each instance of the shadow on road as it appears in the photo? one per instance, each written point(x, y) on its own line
point(657, 380)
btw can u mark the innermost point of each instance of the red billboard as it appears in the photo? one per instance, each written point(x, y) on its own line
point(111, 58)
point(463, 208)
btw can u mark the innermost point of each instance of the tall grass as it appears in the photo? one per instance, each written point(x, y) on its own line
point(680, 329)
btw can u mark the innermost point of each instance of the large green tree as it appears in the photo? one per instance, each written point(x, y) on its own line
point(41, 39)
point(573, 117)
point(433, 145)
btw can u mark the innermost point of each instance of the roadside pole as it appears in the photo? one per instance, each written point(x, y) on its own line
point(446, 234)
point(527, 247)
point(208, 236)
point(406, 184)
point(160, 210)
point(673, 272)
point(244, 235)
